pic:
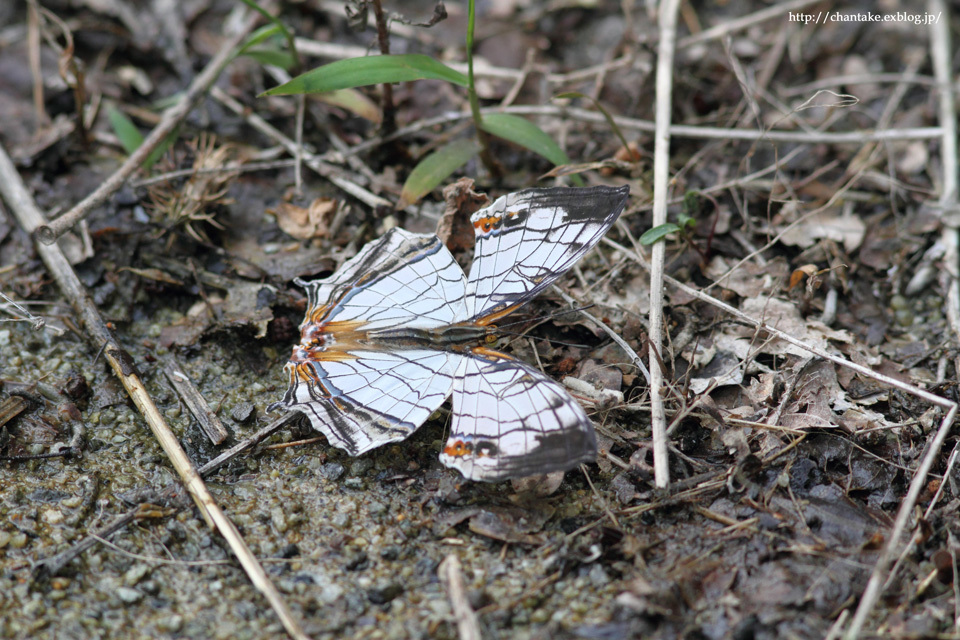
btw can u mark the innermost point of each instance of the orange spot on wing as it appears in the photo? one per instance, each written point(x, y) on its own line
point(458, 449)
point(486, 224)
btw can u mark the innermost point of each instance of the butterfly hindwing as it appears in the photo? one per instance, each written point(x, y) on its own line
point(509, 420)
point(401, 280)
point(528, 239)
point(364, 399)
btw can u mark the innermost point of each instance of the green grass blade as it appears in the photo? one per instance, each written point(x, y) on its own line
point(361, 72)
point(260, 36)
point(266, 14)
point(528, 135)
point(130, 137)
point(271, 56)
point(658, 233)
point(436, 168)
point(524, 133)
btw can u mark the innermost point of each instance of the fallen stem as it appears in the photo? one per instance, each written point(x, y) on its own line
point(27, 213)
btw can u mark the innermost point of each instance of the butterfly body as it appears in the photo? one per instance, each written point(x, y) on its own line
point(399, 328)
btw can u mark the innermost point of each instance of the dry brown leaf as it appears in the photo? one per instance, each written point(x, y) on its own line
point(454, 229)
point(846, 228)
point(305, 223)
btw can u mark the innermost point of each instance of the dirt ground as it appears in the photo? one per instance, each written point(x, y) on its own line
point(788, 469)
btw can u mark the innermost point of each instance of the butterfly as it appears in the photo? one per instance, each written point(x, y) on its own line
point(398, 329)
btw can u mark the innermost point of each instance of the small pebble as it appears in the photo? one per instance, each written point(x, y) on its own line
point(128, 595)
point(243, 413)
point(385, 593)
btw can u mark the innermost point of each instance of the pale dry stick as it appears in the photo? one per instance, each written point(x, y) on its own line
point(720, 133)
point(940, 52)
point(634, 124)
point(451, 575)
point(748, 20)
point(25, 210)
point(312, 160)
point(208, 420)
point(231, 167)
point(667, 20)
point(872, 591)
point(634, 358)
point(865, 78)
point(48, 233)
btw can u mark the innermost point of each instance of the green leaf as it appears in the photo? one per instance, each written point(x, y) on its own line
point(361, 72)
point(271, 56)
point(269, 16)
point(260, 36)
point(130, 136)
point(658, 233)
point(528, 135)
point(524, 133)
point(435, 168)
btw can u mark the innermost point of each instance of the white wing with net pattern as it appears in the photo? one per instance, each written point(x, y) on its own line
point(401, 280)
point(509, 421)
point(360, 394)
point(528, 239)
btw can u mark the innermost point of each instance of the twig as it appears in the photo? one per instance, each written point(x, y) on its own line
point(729, 26)
point(720, 133)
point(452, 577)
point(661, 186)
point(637, 360)
point(940, 51)
point(23, 207)
point(312, 160)
point(208, 420)
point(55, 564)
point(389, 123)
point(48, 233)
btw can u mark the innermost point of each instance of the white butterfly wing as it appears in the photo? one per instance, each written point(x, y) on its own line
point(364, 399)
point(401, 280)
point(510, 421)
point(528, 239)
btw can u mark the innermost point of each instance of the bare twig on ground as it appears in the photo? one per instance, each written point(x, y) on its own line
point(48, 233)
point(739, 24)
point(55, 564)
point(661, 188)
point(21, 204)
point(634, 358)
point(452, 578)
point(313, 161)
point(209, 422)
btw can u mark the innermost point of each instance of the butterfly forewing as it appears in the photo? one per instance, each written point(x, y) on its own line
point(509, 420)
point(526, 240)
point(401, 280)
